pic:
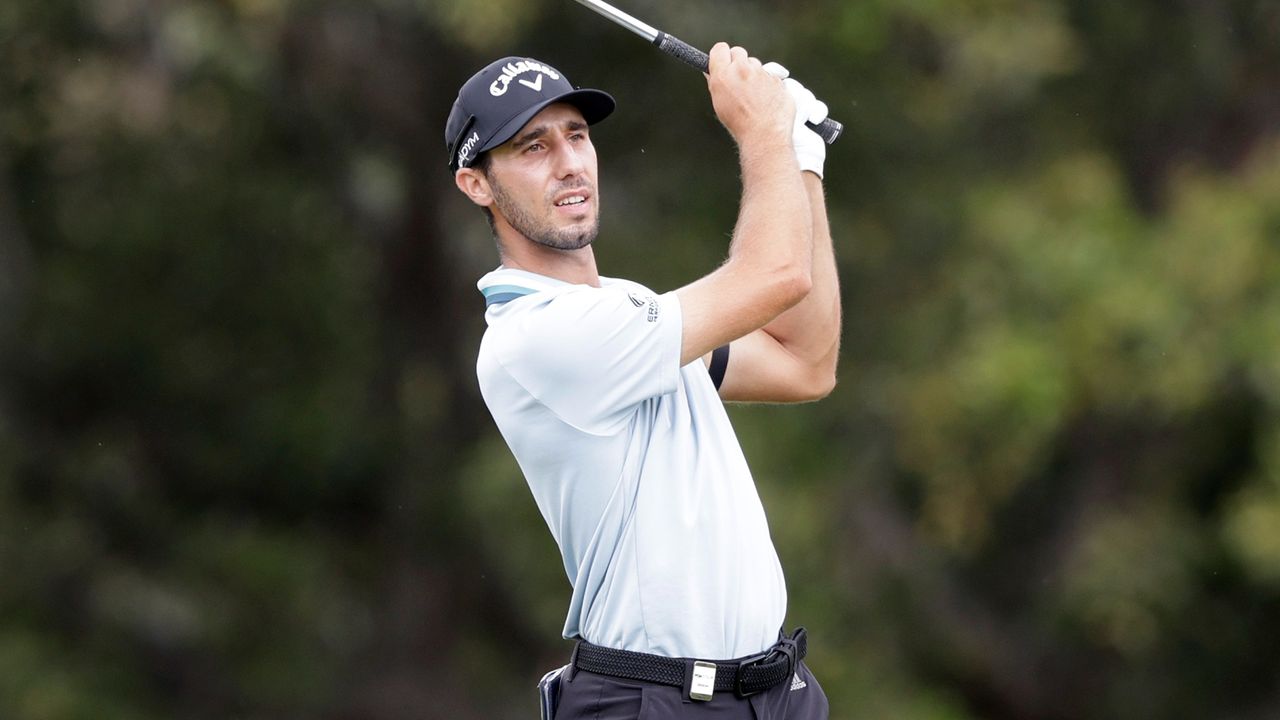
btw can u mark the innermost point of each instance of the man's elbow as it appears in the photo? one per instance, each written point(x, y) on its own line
point(817, 386)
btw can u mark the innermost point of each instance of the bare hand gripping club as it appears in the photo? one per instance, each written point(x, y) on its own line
point(828, 129)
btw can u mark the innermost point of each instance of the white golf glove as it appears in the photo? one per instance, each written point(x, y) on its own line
point(811, 150)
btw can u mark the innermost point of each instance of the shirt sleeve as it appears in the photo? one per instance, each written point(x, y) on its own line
point(590, 355)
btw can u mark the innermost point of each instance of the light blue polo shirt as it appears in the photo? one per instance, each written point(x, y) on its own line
point(634, 465)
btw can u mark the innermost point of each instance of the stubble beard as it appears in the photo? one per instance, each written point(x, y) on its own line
point(538, 230)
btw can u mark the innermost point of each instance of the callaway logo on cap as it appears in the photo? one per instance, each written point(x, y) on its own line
point(497, 101)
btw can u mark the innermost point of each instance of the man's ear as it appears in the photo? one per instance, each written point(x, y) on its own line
point(474, 185)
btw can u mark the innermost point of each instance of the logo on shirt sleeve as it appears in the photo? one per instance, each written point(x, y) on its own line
point(646, 300)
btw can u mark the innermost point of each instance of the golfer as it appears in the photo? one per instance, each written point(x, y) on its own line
point(610, 395)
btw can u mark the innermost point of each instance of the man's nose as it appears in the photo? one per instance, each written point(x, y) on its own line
point(569, 160)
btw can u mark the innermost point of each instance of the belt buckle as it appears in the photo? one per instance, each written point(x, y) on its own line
point(742, 666)
point(786, 647)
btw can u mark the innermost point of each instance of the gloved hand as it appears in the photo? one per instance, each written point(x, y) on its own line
point(811, 150)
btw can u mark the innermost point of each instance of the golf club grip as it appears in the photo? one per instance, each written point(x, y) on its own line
point(682, 51)
point(828, 129)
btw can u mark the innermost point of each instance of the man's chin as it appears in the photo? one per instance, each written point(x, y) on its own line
point(578, 242)
point(578, 236)
point(566, 240)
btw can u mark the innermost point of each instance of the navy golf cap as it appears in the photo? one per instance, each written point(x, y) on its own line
point(497, 101)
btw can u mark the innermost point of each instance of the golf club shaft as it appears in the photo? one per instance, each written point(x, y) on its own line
point(828, 129)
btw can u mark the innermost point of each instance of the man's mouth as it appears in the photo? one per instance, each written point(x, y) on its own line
point(571, 200)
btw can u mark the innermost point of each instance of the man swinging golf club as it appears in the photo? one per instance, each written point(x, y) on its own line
point(610, 396)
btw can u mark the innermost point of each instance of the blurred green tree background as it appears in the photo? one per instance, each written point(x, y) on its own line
point(245, 471)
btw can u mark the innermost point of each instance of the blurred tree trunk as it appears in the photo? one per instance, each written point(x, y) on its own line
point(387, 78)
point(15, 260)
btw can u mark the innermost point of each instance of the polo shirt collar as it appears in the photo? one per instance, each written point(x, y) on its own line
point(506, 284)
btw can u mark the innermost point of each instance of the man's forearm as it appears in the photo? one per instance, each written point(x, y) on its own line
point(774, 217)
point(810, 330)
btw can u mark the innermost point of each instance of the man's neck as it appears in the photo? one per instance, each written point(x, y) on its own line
point(577, 267)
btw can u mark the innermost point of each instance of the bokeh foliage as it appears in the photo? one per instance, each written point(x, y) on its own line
point(245, 470)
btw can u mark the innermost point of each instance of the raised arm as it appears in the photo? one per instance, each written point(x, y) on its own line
point(776, 301)
point(793, 358)
point(769, 269)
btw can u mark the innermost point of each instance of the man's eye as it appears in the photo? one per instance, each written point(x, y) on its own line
point(532, 147)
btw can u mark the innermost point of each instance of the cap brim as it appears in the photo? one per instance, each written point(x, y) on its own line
point(595, 105)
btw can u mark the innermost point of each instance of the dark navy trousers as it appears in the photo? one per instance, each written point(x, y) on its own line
point(589, 696)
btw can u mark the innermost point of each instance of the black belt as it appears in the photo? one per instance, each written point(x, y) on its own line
point(744, 676)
